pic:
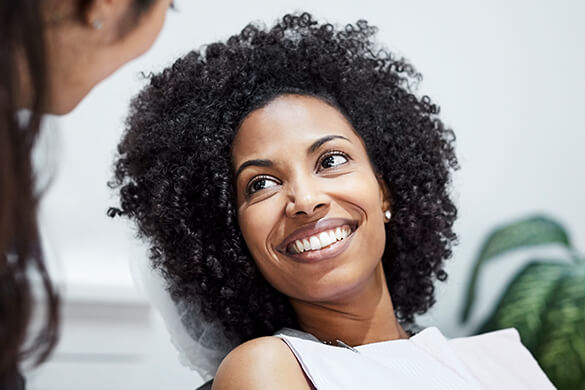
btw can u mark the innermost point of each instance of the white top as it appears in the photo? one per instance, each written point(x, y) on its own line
point(428, 360)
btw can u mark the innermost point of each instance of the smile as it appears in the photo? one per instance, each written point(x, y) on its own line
point(319, 241)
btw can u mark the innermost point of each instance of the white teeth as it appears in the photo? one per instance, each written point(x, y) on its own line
point(332, 237)
point(324, 239)
point(321, 240)
point(345, 232)
point(315, 243)
point(299, 246)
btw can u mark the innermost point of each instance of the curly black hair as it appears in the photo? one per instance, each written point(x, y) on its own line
point(175, 177)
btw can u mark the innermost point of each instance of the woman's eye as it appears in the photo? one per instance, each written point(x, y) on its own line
point(333, 160)
point(261, 183)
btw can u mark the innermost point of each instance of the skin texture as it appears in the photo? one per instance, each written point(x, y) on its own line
point(298, 191)
point(80, 56)
point(262, 363)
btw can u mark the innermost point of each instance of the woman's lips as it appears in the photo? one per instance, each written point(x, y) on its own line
point(318, 240)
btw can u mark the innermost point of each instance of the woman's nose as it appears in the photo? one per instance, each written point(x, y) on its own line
point(306, 197)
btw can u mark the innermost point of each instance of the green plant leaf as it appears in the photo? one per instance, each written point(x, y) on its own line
point(561, 341)
point(525, 233)
point(524, 299)
point(545, 302)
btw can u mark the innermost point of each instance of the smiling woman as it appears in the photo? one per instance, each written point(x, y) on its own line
point(289, 178)
point(314, 205)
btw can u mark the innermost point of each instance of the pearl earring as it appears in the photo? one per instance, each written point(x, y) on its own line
point(387, 215)
point(97, 24)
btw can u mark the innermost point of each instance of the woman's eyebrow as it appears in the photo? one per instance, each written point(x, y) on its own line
point(324, 140)
point(267, 163)
point(253, 163)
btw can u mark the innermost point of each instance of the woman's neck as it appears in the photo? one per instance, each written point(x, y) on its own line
point(364, 317)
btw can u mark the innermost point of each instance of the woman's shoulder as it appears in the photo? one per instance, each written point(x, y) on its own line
point(261, 363)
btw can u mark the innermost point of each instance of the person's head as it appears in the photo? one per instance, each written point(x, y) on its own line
point(309, 204)
point(52, 53)
point(235, 153)
point(87, 40)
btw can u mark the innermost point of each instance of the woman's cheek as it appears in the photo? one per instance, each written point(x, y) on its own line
point(359, 188)
point(257, 221)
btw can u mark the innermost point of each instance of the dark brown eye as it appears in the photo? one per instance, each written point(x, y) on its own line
point(261, 183)
point(333, 160)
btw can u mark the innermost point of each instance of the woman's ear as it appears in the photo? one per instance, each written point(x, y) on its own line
point(96, 12)
point(384, 196)
point(107, 17)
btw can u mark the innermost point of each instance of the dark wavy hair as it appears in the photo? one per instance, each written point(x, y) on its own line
point(23, 52)
point(175, 178)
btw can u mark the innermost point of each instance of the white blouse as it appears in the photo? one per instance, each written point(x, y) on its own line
point(428, 360)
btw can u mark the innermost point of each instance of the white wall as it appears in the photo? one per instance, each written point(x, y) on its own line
point(510, 79)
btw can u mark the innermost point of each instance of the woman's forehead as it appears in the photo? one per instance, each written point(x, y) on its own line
point(289, 121)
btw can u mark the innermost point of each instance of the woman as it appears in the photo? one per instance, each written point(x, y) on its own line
point(53, 53)
point(289, 178)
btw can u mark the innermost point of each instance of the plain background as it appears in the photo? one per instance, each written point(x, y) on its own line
point(509, 77)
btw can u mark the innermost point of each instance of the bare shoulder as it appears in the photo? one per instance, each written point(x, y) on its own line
point(262, 363)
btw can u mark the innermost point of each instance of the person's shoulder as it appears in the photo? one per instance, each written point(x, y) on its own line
point(262, 363)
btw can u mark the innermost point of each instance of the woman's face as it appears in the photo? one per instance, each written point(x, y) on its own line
point(80, 56)
point(309, 204)
point(143, 34)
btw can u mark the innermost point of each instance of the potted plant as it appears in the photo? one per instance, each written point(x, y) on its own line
point(545, 301)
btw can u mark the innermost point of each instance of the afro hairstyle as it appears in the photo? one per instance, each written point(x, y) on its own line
point(175, 177)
